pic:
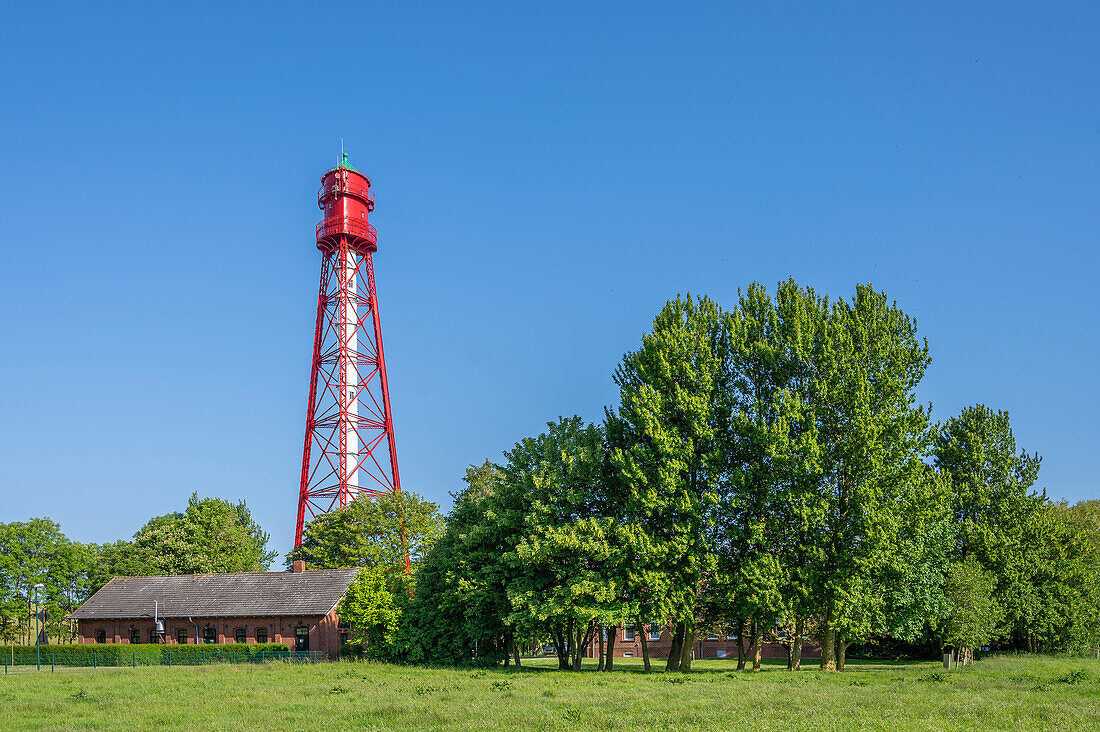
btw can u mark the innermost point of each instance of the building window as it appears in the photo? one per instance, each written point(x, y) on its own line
point(261, 635)
point(135, 635)
point(720, 654)
point(181, 636)
point(301, 638)
point(209, 635)
point(153, 635)
point(628, 654)
point(654, 631)
point(711, 635)
point(605, 634)
point(101, 636)
point(241, 636)
point(628, 633)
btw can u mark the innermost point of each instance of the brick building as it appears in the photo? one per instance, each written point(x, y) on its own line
point(297, 608)
point(628, 644)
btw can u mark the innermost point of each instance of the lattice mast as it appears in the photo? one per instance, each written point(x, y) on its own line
point(349, 446)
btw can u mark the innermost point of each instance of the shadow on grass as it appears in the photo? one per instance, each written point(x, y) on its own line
point(541, 665)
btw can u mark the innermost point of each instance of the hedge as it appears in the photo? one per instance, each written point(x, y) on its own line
point(144, 654)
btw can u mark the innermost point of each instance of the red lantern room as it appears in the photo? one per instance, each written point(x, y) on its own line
point(346, 198)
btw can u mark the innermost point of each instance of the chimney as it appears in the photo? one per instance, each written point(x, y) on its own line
point(299, 565)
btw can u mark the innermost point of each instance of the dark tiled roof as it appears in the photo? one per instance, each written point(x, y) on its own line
point(314, 592)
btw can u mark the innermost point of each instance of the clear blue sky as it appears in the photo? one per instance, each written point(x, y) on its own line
point(546, 177)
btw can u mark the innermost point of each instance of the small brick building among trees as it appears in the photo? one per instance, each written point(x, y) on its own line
point(297, 608)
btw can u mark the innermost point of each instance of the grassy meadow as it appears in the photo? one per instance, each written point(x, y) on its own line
point(1006, 692)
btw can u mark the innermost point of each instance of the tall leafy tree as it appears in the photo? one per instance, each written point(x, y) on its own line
point(873, 436)
point(460, 611)
point(563, 572)
point(996, 512)
point(670, 456)
point(771, 506)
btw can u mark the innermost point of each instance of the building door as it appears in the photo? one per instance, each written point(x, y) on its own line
point(301, 638)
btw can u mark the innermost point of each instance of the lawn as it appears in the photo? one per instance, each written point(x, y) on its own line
point(1007, 692)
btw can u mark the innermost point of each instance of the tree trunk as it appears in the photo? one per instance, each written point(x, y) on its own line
point(674, 651)
point(507, 649)
point(799, 628)
point(757, 645)
point(687, 648)
point(644, 630)
point(828, 641)
point(579, 641)
point(559, 645)
point(841, 652)
point(612, 633)
point(599, 664)
point(516, 651)
point(741, 646)
point(788, 648)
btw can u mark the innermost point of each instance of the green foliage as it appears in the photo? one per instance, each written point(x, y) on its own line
point(372, 609)
point(974, 615)
point(143, 654)
point(460, 605)
point(371, 533)
point(1043, 558)
point(667, 453)
point(210, 535)
point(37, 552)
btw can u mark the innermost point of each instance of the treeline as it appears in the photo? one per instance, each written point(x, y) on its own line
point(768, 472)
point(209, 535)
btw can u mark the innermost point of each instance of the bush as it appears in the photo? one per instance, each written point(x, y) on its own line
point(351, 650)
point(143, 654)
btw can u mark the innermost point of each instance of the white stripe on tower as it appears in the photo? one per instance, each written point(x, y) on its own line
point(351, 371)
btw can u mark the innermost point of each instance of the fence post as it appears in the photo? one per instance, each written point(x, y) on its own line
point(169, 659)
point(51, 662)
point(133, 659)
point(94, 654)
point(261, 656)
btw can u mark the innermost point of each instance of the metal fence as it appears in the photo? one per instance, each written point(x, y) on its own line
point(23, 660)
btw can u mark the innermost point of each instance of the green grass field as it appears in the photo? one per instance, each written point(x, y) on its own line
point(1008, 692)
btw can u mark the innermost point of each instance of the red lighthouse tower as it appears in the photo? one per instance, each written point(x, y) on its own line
point(349, 447)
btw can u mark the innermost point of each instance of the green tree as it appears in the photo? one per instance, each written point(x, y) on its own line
point(973, 613)
point(997, 516)
point(563, 574)
point(771, 507)
point(669, 459)
point(372, 609)
point(373, 532)
point(460, 609)
point(33, 552)
point(210, 535)
point(873, 436)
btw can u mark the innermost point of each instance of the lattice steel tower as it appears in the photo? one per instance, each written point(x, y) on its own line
point(349, 448)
